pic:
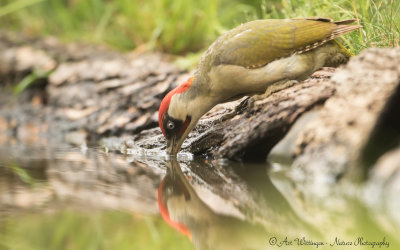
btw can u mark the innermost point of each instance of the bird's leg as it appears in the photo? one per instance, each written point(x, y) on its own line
point(275, 87)
point(239, 108)
point(248, 102)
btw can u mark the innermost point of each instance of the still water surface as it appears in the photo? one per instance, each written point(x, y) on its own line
point(79, 198)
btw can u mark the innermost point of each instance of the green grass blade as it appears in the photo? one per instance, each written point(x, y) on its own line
point(16, 6)
point(23, 175)
point(29, 80)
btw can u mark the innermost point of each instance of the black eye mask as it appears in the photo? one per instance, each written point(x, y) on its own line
point(175, 127)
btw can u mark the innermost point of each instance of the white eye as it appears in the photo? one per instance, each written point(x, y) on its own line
point(170, 125)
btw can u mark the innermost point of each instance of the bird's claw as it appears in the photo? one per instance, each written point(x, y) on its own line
point(277, 86)
point(237, 110)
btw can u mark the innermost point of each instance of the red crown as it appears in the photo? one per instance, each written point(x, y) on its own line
point(167, 99)
point(165, 214)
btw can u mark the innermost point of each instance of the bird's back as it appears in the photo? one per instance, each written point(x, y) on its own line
point(257, 43)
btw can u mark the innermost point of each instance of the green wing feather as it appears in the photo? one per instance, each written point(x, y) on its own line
point(259, 42)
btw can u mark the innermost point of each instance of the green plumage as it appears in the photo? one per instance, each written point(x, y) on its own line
point(257, 43)
point(262, 56)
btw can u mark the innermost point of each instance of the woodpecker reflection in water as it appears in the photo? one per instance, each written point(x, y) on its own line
point(184, 210)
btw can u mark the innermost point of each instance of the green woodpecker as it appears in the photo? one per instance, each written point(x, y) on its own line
point(254, 58)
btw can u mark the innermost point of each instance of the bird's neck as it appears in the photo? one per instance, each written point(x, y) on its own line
point(197, 101)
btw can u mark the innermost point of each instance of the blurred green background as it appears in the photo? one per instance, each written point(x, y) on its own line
point(182, 27)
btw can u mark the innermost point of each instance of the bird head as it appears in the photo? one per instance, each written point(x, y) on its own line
point(175, 117)
point(166, 189)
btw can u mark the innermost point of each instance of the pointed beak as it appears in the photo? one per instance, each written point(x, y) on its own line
point(174, 143)
point(172, 146)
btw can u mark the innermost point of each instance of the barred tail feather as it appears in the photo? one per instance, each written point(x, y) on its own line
point(341, 29)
